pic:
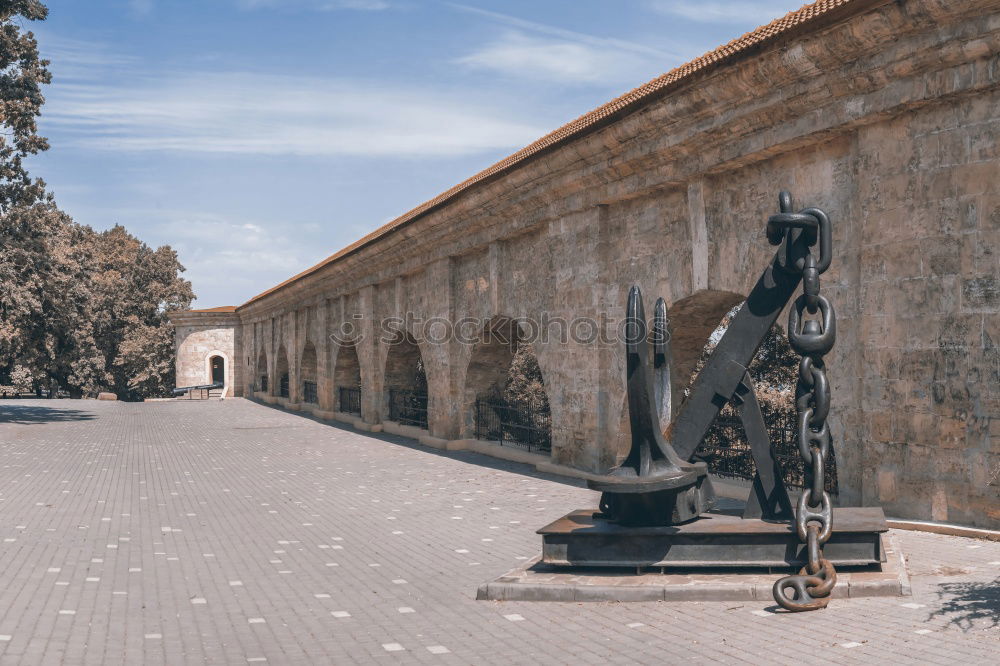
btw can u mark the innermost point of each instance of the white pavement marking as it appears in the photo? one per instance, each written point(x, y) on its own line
point(437, 649)
point(392, 647)
point(514, 617)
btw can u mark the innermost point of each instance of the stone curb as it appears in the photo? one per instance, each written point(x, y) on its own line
point(947, 529)
point(893, 581)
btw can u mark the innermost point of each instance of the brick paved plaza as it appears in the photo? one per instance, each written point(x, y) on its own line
point(229, 532)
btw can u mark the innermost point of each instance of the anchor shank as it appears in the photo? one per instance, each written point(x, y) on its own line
point(738, 345)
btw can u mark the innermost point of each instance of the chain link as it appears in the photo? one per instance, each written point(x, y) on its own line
point(812, 331)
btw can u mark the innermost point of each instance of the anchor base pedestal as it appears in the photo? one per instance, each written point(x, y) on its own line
point(714, 540)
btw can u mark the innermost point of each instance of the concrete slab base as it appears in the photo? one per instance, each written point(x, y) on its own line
point(535, 581)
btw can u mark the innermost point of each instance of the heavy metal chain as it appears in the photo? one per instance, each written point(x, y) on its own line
point(812, 338)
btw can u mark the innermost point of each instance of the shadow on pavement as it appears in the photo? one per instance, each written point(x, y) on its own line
point(968, 602)
point(33, 414)
point(724, 505)
point(471, 457)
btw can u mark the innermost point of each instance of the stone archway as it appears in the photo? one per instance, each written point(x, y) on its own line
point(347, 380)
point(503, 397)
point(281, 373)
point(405, 383)
point(308, 374)
point(262, 377)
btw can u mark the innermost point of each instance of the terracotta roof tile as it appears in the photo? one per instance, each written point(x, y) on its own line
point(779, 27)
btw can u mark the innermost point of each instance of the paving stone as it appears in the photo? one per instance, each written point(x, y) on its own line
point(222, 460)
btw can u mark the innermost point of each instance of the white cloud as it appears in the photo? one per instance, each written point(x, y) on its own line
point(521, 55)
point(754, 12)
point(539, 51)
point(272, 115)
point(78, 59)
point(216, 250)
point(562, 34)
point(321, 5)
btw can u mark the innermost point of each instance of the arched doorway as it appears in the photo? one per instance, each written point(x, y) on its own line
point(308, 373)
point(217, 370)
point(262, 372)
point(347, 380)
point(504, 398)
point(692, 322)
point(774, 370)
point(281, 373)
point(405, 395)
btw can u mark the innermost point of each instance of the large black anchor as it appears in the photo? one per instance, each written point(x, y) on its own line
point(658, 483)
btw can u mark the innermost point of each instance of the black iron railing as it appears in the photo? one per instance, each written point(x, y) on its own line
point(408, 407)
point(309, 392)
point(199, 392)
point(262, 385)
point(349, 400)
point(283, 386)
point(526, 426)
point(727, 452)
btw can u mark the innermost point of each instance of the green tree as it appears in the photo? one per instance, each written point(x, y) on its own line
point(79, 310)
point(133, 289)
point(26, 233)
point(22, 74)
point(55, 329)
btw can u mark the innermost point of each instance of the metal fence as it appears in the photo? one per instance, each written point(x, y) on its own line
point(727, 451)
point(309, 393)
point(526, 426)
point(349, 400)
point(283, 386)
point(263, 384)
point(408, 407)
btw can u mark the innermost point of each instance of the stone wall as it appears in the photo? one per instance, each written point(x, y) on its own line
point(886, 117)
point(199, 337)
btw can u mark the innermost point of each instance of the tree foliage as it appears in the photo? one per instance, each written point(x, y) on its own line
point(80, 311)
point(22, 75)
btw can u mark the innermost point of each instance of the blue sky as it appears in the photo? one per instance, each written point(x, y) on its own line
point(257, 137)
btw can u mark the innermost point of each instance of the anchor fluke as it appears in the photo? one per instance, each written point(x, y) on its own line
point(653, 485)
